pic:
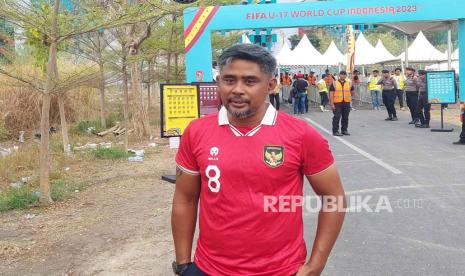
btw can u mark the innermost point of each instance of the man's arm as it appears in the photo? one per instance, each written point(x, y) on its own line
point(325, 184)
point(332, 89)
point(184, 214)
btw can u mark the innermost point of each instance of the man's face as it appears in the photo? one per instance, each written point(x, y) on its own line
point(386, 75)
point(375, 74)
point(342, 77)
point(409, 73)
point(397, 72)
point(243, 87)
point(422, 77)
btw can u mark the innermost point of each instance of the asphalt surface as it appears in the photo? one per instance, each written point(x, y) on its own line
point(422, 176)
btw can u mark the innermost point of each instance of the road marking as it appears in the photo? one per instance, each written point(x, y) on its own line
point(373, 190)
point(357, 149)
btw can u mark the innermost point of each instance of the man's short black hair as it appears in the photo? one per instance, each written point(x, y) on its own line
point(375, 71)
point(356, 71)
point(343, 73)
point(249, 52)
point(421, 72)
point(398, 69)
point(410, 69)
point(385, 71)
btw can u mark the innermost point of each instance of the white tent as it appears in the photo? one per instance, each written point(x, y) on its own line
point(382, 53)
point(422, 50)
point(304, 54)
point(443, 66)
point(245, 39)
point(333, 56)
point(365, 53)
point(284, 55)
point(455, 55)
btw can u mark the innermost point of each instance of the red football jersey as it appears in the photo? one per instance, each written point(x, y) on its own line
point(237, 169)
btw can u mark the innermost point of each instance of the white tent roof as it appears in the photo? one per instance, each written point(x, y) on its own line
point(415, 27)
point(382, 53)
point(422, 50)
point(455, 54)
point(443, 66)
point(245, 39)
point(284, 54)
point(333, 56)
point(365, 53)
point(304, 54)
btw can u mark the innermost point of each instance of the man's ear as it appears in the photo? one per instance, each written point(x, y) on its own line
point(272, 84)
point(218, 78)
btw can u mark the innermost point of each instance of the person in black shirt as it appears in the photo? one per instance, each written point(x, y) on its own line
point(298, 93)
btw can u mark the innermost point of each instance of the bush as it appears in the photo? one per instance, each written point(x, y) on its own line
point(104, 153)
point(83, 126)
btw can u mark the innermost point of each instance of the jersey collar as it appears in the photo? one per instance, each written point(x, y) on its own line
point(268, 120)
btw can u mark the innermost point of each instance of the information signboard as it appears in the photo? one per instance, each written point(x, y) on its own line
point(179, 106)
point(441, 87)
point(210, 101)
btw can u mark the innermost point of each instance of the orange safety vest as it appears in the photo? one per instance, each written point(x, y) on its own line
point(342, 93)
point(311, 80)
point(286, 80)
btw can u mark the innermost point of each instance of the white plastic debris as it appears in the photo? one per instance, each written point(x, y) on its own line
point(16, 185)
point(26, 179)
point(21, 136)
point(90, 130)
point(137, 152)
point(105, 145)
point(152, 145)
point(30, 216)
point(136, 159)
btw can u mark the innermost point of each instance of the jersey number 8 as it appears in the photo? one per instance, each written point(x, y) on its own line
point(215, 179)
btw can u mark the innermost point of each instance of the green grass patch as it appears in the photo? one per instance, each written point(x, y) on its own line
point(24, 197)
point(20, 198)
point(84, 126)
point(4, 134)
point(111, 153)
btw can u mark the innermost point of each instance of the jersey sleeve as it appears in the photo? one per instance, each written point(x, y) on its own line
point(185, 157)
point(316, 153)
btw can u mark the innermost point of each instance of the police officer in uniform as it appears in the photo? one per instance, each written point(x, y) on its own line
point(423, 107)
point(461, 141)
point(340, 96)
point(411, 93)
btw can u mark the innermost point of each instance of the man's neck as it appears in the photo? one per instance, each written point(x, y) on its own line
point(254, 120)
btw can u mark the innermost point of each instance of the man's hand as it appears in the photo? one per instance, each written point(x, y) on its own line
point(333, 107)
point(307, 270)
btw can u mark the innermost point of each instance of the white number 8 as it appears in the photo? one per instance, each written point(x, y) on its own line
point(213, 179)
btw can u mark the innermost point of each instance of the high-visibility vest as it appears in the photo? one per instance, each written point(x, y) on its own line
point(311, 80)
point(286, 80)
point(322, 87)
point(401, 81)
point(342, 93)
point(373, 84)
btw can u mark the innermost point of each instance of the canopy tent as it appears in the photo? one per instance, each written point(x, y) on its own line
point(284, 54)
point(304, 54)
point(365, 53)
point(333, 56)
point(382, 53)
point(422, 51)
point(411, 28)
point(245, 39)
point(455, 54)
point(443, 66)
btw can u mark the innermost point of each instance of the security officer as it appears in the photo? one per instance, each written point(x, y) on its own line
point(340, 96)
point(461, 141)
point(423, 107)
point(411, 93)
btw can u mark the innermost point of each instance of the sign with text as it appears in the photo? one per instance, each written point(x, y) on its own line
point(441, 87)
point(179, 106)
point(210, 101)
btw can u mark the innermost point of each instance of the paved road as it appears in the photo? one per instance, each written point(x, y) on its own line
point(421, 174)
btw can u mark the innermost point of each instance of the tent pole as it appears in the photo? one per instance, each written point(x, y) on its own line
point(406, 50)
point(461, 32)
point(449, 48)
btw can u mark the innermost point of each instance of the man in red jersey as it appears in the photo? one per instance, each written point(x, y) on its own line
point(230, 163)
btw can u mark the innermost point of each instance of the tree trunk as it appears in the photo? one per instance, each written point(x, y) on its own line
point(149, 84)
point(64, 125)
point(45, 197)
point(176, 73)
point(103, 121)
point(124, 71)
point(170, 46)
point(140, 116)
